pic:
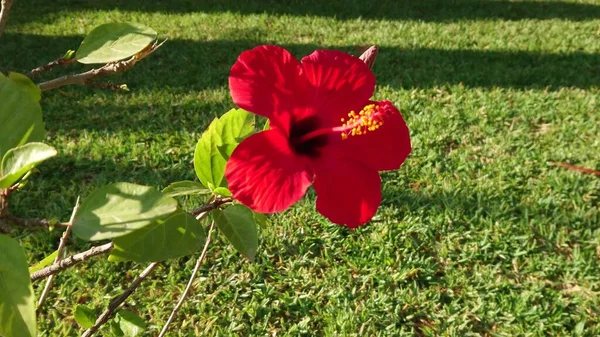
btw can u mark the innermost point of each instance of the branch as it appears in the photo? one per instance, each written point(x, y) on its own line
point(576, 168)
point(209, 207)
point(106, 70)
point(6, 4)
point(3, 207)
point(71, 261)
point(8, 221)
point(61, 248)
point(4, 194)
point(116, 303)
point(190, 282)
point(63, 61)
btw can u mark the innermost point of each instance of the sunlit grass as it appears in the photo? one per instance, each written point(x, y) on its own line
point(476, 235)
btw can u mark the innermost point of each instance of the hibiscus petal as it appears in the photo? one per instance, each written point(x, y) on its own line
point(340, 83)
point(267, 80)
point(348, 192)
point(264, 174)
point(383, 149)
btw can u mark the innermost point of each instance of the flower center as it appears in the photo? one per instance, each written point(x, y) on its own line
point(369, 119)
point(306, 137)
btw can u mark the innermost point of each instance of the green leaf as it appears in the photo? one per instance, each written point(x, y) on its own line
point(115, 329)
point(130, 323)
point(178, 235)
point(20, 115)
point(69, 54)
point(22, 159)
point(185, 187)
point(224, 191)
point(260, 219)
point(209, 164)
point(267, 126)
point(119, 209)
point(217, 143)
point(17, 309)
point(26, 85)
point(114, 41)
point(238, 224)
point(84, 316)
point(48, 260)
point(233, 127)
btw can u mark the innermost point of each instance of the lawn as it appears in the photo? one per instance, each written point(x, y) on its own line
point(476, 236)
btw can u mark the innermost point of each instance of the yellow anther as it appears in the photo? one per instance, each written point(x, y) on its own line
point(369, 119)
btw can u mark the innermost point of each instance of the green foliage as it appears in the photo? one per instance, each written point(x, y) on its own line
point(48, 260)
point(216, 145)
point(17, 310)
point(232, 128)
point(113, 42)
point(182, 188)
point(119, 209)
point(177, 235)
point(238, 224)
point(476, 234)
point(84, 316)
point(20, 112)
point(26, 85)
point(127, 324)
point(20, 160)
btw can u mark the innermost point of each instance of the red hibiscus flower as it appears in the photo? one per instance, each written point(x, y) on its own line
point(324, 131)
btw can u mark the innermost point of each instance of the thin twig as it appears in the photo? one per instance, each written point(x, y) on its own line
point(576, 168)
point(8, 221)
point(190, 282)
point(61, 248)
point(71, 261)
point(3, 207)
point(6, 4)
point(106, 70)
point(210, 206)
point(116, 303)
point(62, 61)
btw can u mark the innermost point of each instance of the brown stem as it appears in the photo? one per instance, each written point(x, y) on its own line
point(116, 303)
point(209, 207)
point(106, 70)
point(576, 168)
point(6, 4)
point(71, 261)
point(8, 221)
point(51, 65)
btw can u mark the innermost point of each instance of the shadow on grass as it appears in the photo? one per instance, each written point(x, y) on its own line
point(186, 65)
point(425, 10)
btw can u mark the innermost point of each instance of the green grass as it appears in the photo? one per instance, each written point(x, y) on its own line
point(476, 235)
